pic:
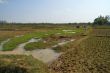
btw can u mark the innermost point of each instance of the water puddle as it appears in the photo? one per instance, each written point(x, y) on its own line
point(58, 33)
point(63, 43)
point(45, 55)
point(48, 55)
point(46, 34)
point(20, 49)
point(69, 31)
point(19, 35)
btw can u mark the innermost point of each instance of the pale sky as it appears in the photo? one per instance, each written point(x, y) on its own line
point(53, 11)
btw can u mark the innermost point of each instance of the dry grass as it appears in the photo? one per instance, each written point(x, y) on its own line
point(92, 55)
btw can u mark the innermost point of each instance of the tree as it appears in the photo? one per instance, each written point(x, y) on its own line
point(108, 18)
point(101, 20)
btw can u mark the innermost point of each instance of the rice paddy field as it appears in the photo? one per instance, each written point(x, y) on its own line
point(92, 55)
point(45, 48)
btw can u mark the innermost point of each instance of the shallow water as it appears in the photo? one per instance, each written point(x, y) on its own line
point(19, 35)
point(48, 55)
point(69, 31)
point(45, 55)
point(64, 42)
point(20, 49)
point(58, 33)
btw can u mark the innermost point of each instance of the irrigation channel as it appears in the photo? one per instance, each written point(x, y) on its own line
point(47, 55)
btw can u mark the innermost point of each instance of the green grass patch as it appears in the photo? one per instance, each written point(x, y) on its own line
point(14, 42)
point(39, 45)
point(64, 48)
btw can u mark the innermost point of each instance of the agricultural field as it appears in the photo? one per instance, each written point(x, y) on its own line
point(92, 55)
point(54, 49)
point(38, 33)
point(54, 36)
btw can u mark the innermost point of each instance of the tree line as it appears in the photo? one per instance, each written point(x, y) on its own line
point(102, 20)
